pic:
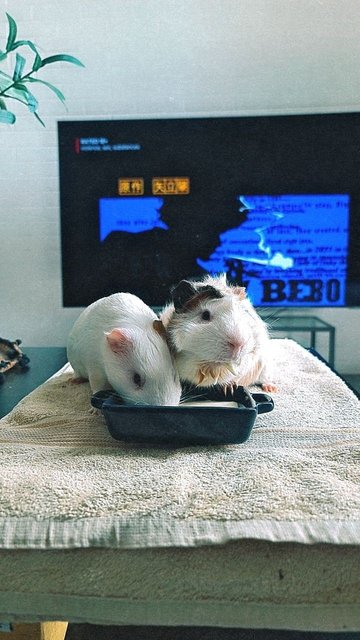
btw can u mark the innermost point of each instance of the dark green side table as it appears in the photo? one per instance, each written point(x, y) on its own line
point(44, 361)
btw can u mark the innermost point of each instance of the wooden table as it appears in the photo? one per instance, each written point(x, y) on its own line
point(44, 362)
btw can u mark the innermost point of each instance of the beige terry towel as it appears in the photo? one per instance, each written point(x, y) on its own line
point(64, 482)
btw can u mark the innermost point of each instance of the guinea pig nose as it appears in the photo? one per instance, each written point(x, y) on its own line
point(235, 345)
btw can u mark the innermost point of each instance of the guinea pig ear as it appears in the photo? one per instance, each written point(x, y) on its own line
point(119, 341)
point(160, 329)
point(181, 293)
point(240, 292)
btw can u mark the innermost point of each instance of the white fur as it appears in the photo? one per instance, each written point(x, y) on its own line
point(147, 353)
point(203, 352)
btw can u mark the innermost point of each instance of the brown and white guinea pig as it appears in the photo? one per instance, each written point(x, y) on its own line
point(216, 335)
point(118, 342)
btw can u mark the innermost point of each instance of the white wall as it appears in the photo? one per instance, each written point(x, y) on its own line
point(157, 57)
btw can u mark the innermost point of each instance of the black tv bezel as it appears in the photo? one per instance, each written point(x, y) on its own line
point(85, 126)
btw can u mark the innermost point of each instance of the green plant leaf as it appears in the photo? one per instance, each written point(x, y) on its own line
point(28, 43)
point(38, 118)
point(21, 91)
point(37, 62)
point(61, 57)
point(15, 87)
point(12, 33)
point(24, 43)
point(19, 67)
point(14, 94)
point(5, 82)
point(57, 91)
point(7, 116)
point(5, 75)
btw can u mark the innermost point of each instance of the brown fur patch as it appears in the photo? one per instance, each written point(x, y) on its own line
point(197, 299)
point(78, 380)
point(160, 329)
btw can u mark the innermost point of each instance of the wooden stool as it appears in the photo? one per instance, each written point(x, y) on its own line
point(35, 631)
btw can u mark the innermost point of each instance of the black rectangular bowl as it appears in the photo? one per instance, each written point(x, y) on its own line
point(181, 425)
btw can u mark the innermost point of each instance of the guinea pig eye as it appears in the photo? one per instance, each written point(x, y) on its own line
point(206, 315)
point(137, 380)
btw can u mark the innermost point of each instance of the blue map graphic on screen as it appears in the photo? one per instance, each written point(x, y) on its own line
point(133, 215)
point(290, 250)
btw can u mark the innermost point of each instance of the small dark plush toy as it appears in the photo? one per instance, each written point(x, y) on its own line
point(11, 356)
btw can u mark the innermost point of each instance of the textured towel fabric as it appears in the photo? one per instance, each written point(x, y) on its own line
point(246, 583)
point(65, 483)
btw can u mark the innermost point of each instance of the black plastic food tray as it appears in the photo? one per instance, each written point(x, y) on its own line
point(184, 426)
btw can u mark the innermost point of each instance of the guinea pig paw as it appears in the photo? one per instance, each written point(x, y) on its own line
point(229, 387)
point(269, 387)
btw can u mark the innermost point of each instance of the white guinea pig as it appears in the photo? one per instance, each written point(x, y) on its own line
point(216, 335)
point(118, 342)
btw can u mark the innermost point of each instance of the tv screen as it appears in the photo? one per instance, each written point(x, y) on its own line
point(273, 201)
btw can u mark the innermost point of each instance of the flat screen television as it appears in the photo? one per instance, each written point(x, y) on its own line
point(273, 201)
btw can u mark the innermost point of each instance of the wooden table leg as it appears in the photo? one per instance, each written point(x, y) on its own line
point(36, 631)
